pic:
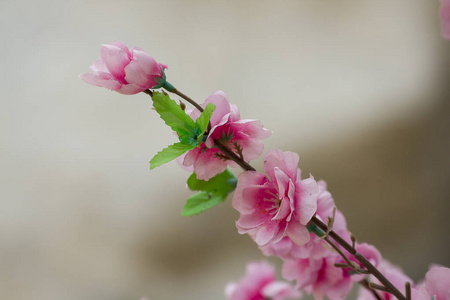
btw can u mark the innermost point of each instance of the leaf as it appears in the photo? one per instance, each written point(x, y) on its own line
point(201, 202)
point(169, 154)
point(212, 192)
point(203, 120)
point(173, 115)
point(221, 184)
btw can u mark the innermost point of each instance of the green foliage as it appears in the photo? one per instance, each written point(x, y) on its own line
point(203, 120)
point(212, 192)
point(169, 154)
point(172, 114)
point(190, 133)
point(201, 202)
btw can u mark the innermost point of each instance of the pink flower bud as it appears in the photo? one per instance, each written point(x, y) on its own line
point(124, 71)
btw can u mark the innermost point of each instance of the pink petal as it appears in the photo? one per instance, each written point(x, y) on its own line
point(281, 181)
point(438, 282)
point(266, 233)
point(101, 79)
point(208, 165)
point(252, 148)
point(191, 157)
point(306, 202)
point(99, 66)
point(445, 18)
point(135, 75)
point(122, 46)
point(252, 196)
point(245, 179)
point(115, 59)
point(130, 89)
point(146, 62)
point(251, 221)
point(297, 233)
point(253, 128)
point(286, 161)
point(279, 290)
point(220, 100)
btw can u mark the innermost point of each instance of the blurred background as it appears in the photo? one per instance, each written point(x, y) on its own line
point(360, 89)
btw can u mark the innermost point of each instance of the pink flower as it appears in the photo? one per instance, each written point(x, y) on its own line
point(228, 128)
point(445, 18)
point(278, 205)
point(393, 274)
point(436, 285)
point(259, 284)
point(319, 277)
point(124, 71)
point(315, 248)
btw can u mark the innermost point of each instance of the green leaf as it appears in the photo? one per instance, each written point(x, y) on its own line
point(221, 184)
point(212, 192)
point(203, 120)
point(173, 115)
point(201, 202)
point(169, 154)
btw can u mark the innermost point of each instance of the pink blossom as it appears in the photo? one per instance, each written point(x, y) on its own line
point(315, 248)
point(319, 276)
point(278, 204)
point(393, 274)
point(228, 128)
point(445, 18)
point(436, 285)
point(124, 71)
point(259, 284)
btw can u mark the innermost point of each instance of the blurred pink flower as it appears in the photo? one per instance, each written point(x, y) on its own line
point(393, 274)
point(259, 284)
point(436, 285)
point(278, 205)
point(124, 71)
point(228, 128)
point(315, 248)
point(319, 276)
point(445, 18)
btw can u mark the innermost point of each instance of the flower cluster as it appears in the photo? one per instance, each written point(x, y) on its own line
point(278, 209)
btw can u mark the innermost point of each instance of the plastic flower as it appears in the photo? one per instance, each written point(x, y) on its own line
point(319, 277)
point(445, 18)
point(227, 128)
point(259, 284)
point(278, 204)
point(315, 248)
point(124, 71)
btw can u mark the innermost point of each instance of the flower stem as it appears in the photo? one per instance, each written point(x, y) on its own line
point(365, 284)
point(371, 268)
point(390, 288)
point(197, 106)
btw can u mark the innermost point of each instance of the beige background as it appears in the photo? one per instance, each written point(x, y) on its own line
point(360, 89)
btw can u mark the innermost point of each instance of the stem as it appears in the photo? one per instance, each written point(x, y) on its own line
point(388, 286)
point(371, 268)
point(366, 285)
point(225, 150)
point(175, 91)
